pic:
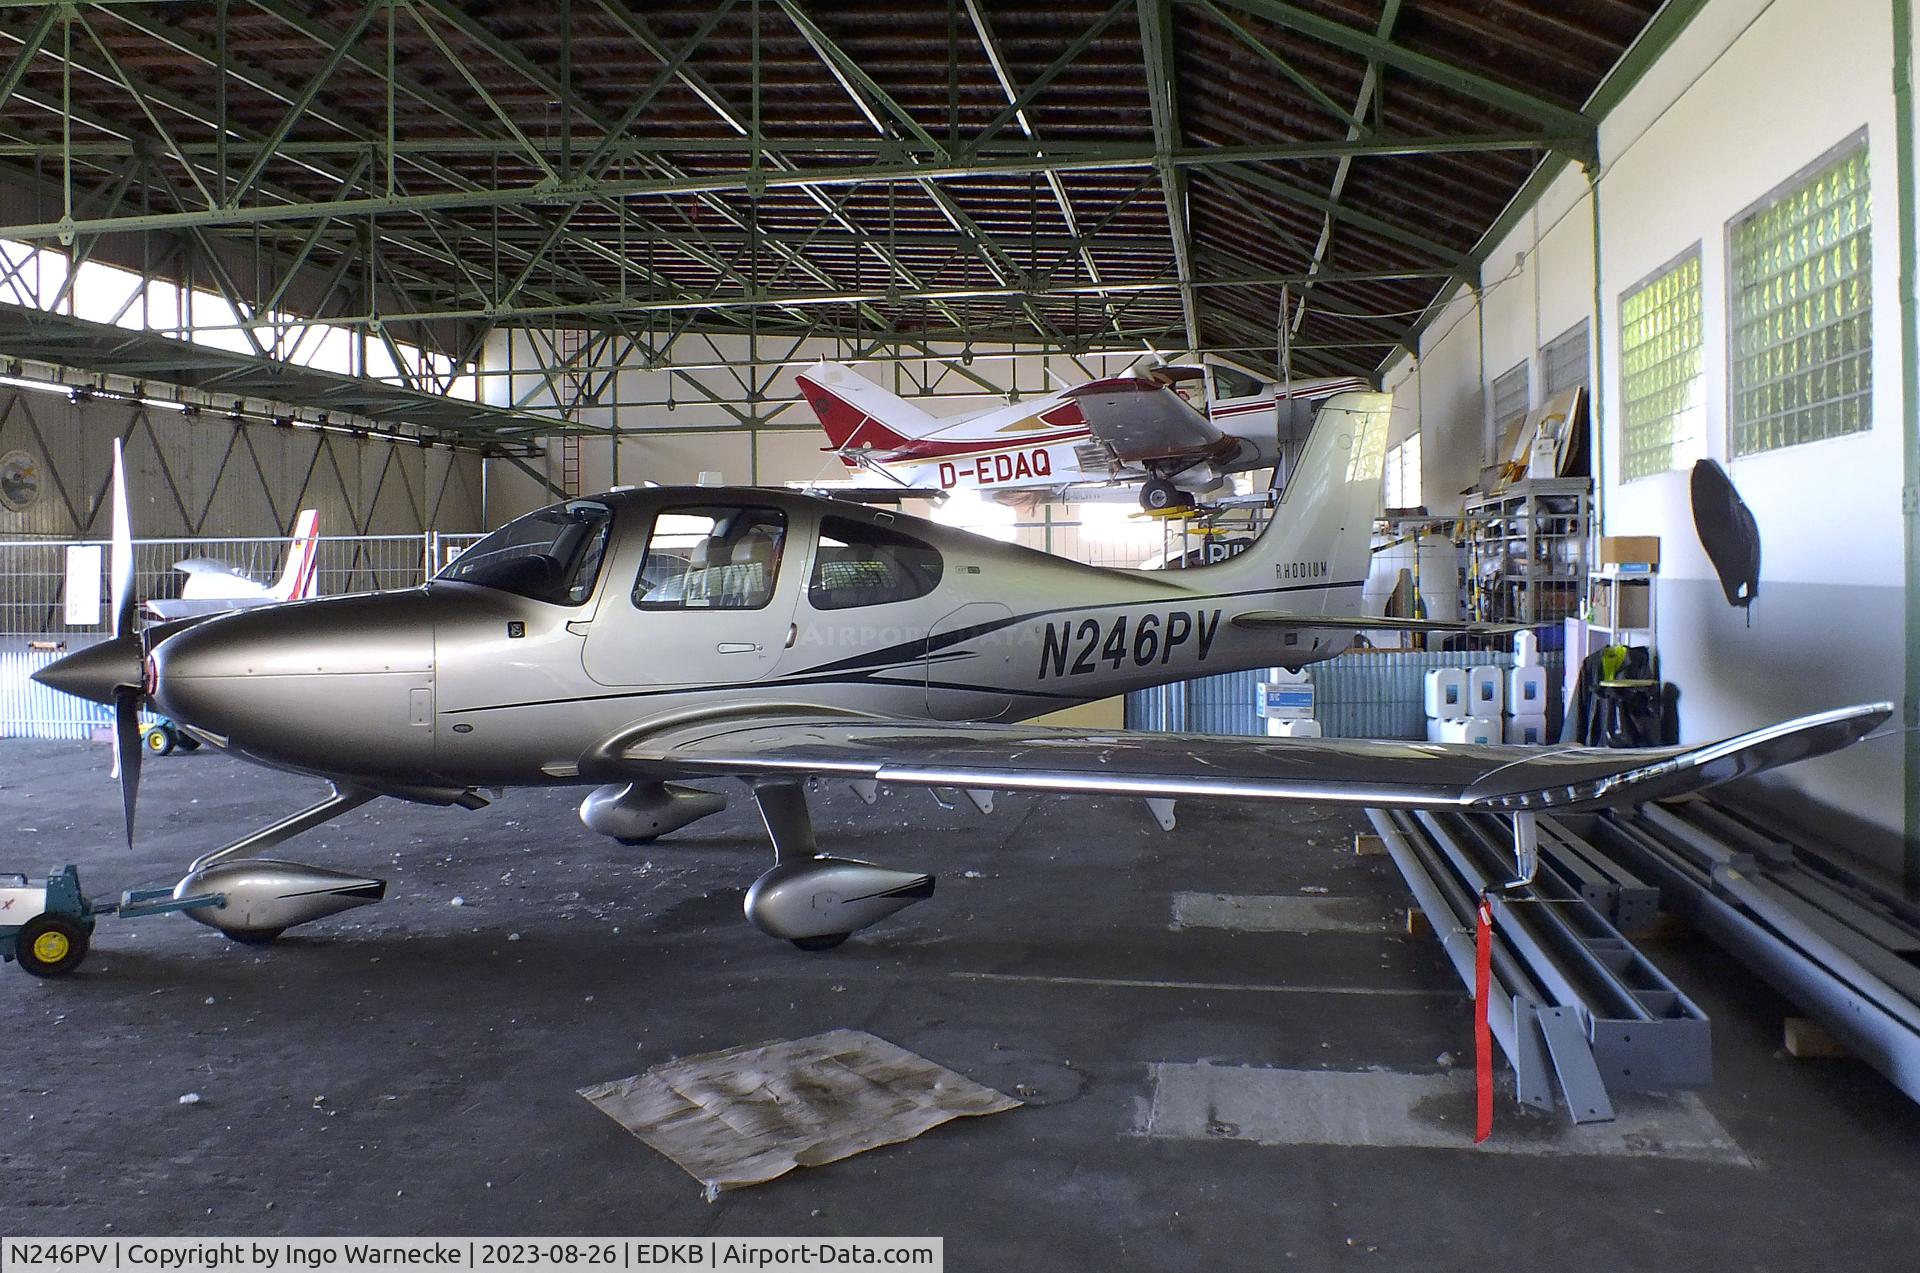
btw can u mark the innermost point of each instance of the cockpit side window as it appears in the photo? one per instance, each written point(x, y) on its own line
point(551, 555)
point(862, 564)
point(1231, 383)
point(711, 557)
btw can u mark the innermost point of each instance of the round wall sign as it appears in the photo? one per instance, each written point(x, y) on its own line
point(19, 481)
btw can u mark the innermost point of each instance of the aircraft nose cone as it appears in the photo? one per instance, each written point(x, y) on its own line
point(95, 672)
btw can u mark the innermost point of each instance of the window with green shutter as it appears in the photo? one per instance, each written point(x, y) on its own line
point(1801, 296)
point(1661, 387)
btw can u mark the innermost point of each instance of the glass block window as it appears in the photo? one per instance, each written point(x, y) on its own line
point(1801, 291)
point(1563, 363)
point(1661, 387)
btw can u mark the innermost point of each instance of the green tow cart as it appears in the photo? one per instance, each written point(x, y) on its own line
point(47, 928)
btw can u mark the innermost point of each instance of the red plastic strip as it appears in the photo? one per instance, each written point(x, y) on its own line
point(1482, 1030)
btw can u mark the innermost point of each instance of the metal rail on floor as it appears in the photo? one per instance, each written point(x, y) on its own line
point(1574, 1005)
point(1842, 947)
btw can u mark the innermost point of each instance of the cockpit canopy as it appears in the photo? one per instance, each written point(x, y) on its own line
point(550, 555)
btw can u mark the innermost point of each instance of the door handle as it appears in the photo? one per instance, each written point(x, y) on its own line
point(736, 647)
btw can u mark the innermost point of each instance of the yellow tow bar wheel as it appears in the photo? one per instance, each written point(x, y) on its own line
point(51, 947)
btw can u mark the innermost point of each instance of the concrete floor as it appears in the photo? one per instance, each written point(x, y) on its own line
point(410, 1068)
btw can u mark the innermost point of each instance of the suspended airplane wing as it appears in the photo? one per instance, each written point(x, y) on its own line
point(1141, 418)
point(1165, 766)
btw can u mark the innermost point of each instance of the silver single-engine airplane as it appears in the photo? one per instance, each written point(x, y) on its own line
point(643, 638)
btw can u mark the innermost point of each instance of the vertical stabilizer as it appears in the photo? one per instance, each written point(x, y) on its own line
point(860, 415)
point(1318, 545)
point(303, 555)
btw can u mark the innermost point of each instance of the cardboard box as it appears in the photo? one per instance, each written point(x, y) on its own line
point(1630, 550)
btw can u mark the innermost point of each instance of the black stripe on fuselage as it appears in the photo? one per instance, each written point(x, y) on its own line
point(918, 652)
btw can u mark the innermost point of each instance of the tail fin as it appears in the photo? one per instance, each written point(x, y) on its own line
point(1318, 544)
point(858, 414)
point(303, 554)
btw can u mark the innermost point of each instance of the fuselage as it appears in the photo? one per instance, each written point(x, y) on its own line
point(698, 600)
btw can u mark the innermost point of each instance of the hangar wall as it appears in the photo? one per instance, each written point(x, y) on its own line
point(1709, 131)
point(208, 475)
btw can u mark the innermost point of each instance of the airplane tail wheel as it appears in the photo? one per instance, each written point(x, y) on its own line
point(1158, 494)
point(826, 941)
point(161, 740)
point(50, 945)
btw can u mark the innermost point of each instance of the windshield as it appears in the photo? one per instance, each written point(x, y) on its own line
point(552, 555)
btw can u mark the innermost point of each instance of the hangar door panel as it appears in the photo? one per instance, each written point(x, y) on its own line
point(968, 662)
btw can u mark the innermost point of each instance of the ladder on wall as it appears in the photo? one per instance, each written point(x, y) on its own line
point(569, 343)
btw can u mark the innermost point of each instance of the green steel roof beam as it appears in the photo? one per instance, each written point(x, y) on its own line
point(1280, 64)
point(1492, 92)
point(858, 85)
point(36, 36)
point(983, 30)
point(465, 72)
point(1230, 159)
point(174, 103)
point(1291, 193)
point(1041, 82)
point(1654, 39)
point(270, 145)
point(1367, 96)
point(1162, 73)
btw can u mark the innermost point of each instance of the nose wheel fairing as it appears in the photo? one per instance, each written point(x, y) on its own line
point(261, 897)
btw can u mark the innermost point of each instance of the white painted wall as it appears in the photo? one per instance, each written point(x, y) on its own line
point(1751, 93)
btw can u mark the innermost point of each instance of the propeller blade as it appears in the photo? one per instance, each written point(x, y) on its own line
point(122, 552)
point(127, 750)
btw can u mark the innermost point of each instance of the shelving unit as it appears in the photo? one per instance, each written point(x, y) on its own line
point(1619, 599)
point(1527, 551)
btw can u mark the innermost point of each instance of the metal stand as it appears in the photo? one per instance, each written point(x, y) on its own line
point(1573, 1003)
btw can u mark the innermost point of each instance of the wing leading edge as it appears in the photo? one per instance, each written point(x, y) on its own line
point(1322, 770)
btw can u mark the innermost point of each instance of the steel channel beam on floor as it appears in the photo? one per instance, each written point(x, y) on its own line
point(1450, 913)
point(1714, 902)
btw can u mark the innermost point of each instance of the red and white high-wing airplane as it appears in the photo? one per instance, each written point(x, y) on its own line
point(214, 586)
point(1079, 443)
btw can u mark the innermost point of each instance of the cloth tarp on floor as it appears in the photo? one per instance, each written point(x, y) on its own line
point(746, 1115)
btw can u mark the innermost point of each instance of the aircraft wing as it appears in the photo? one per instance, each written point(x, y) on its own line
point(1120, 762)
point(1143, 419)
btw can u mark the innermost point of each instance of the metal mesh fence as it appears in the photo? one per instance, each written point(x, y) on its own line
point(40, 578)
point(54, 598)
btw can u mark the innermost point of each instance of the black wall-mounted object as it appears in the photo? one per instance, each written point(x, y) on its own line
point(1728, 533)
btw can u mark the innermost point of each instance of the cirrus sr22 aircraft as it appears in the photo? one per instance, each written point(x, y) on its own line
point(640, 640)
